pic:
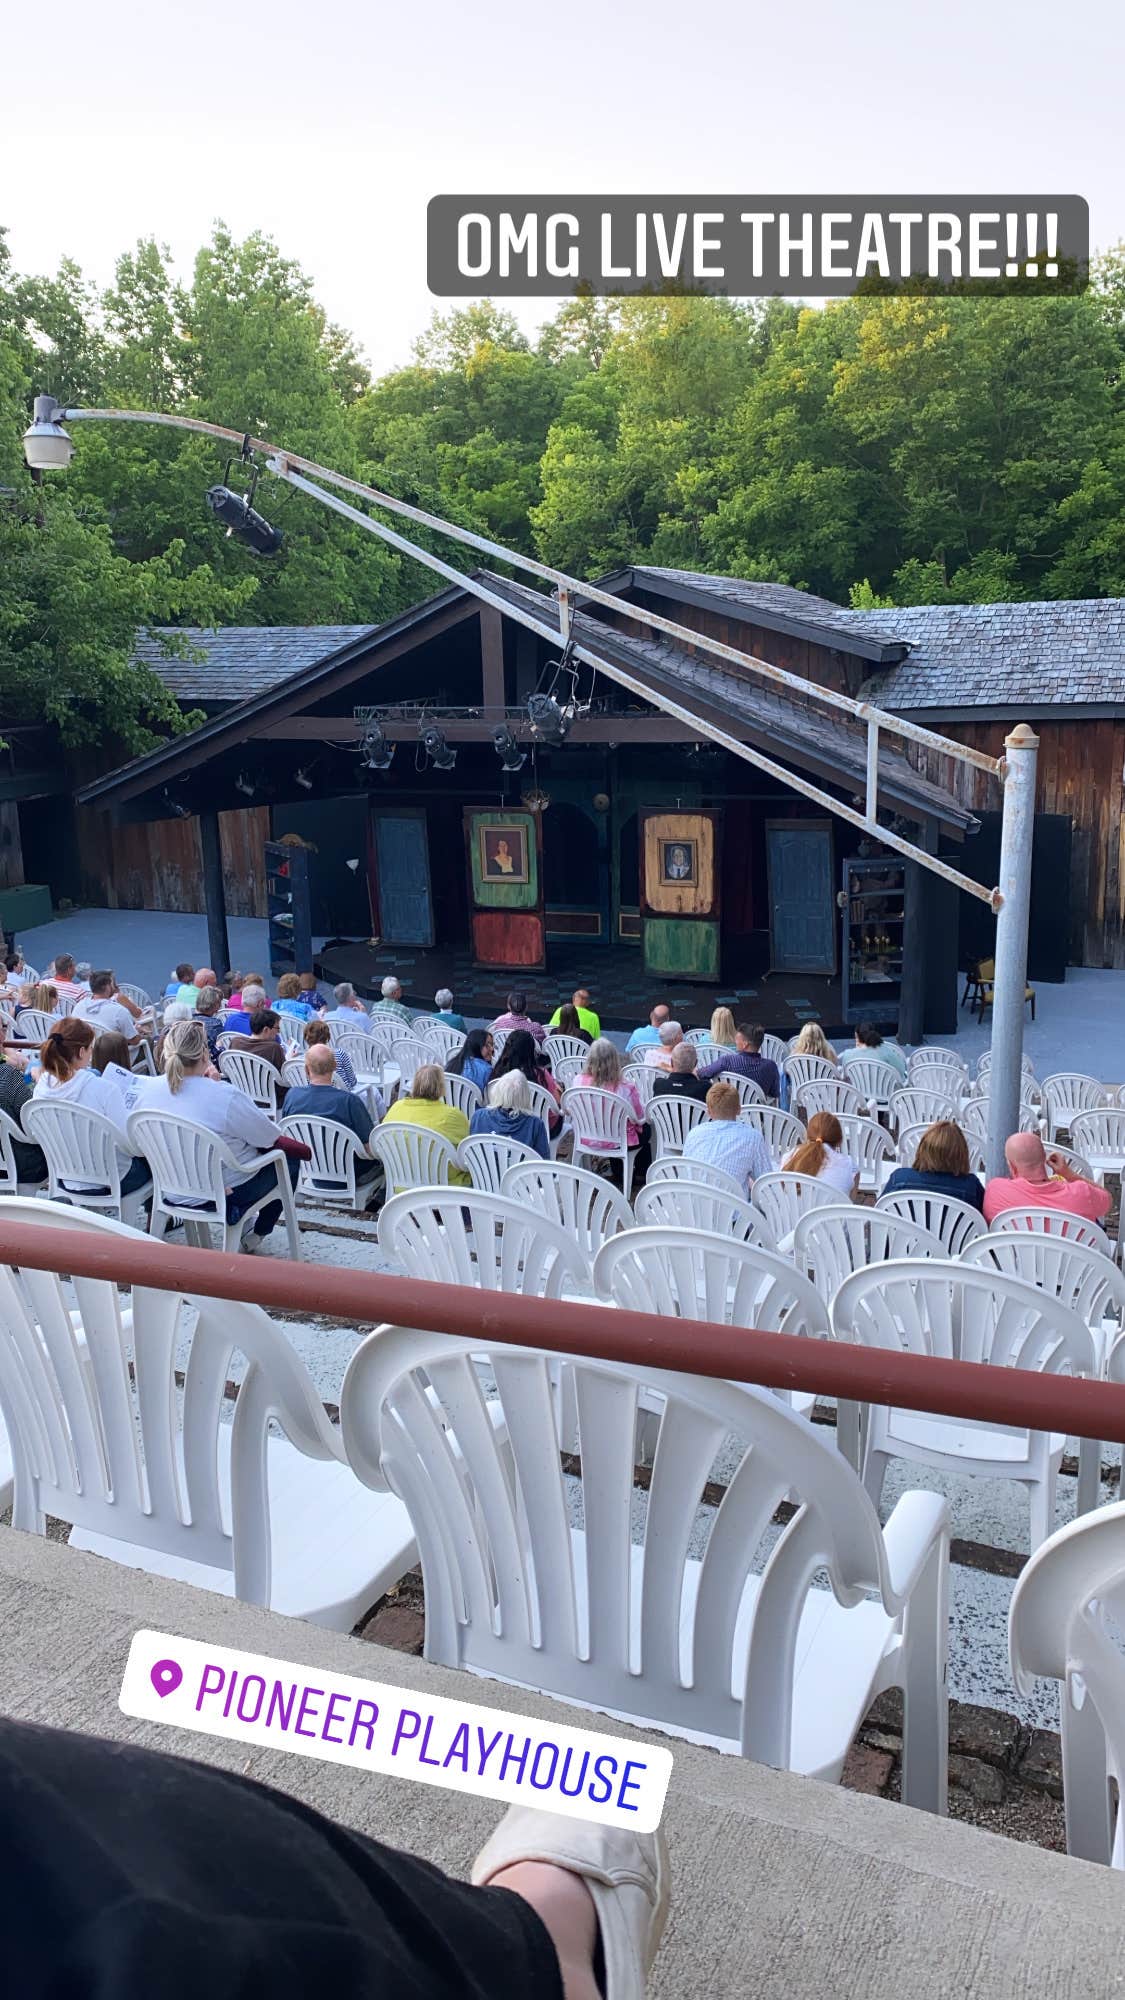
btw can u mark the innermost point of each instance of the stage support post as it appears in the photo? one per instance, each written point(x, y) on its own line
point(912, 992)
point(214, 893)
point(1021, 750)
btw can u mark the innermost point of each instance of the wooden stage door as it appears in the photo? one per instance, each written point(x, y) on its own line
point(400, 876)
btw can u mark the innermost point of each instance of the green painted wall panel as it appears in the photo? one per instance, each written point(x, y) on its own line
point(682, 945)
point(490, 894)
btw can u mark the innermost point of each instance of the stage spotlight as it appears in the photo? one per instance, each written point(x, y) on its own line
point(302, 778)
point(243, 520)
point(441, 756)
point(176, 805)
point(549, 723)
point(375, 753)
point(512, 758)
point(245, 785)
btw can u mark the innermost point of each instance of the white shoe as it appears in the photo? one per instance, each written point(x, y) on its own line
point(252, 1243)
point(626, 1873)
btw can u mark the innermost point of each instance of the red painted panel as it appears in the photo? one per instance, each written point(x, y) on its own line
point(509, 937)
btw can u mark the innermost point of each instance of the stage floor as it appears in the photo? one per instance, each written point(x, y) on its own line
point(620, 989)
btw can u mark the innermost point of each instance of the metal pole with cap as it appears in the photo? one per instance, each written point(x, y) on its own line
point(1021, 751)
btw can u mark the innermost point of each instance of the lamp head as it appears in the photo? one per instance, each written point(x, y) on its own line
point(47, 447)
point(243, 520)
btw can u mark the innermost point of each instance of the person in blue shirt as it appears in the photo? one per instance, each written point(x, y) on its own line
point(290, 999)
point(507, 1116)
point(322, 1097)
point(474, 1059)
point(647, 1038)
point(443, 1002)
point(184, 975)
point(941, 1166)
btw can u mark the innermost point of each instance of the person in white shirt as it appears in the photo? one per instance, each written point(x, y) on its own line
point(348, 1007)
point(822, 1155)
point(68, 1077)
point(107, 1010)
point(660, 1057)
point(190, 1087)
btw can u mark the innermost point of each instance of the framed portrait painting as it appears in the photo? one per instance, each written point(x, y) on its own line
point(502, 853)
point(679, 862)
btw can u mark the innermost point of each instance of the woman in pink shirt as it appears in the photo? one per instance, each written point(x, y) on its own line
point(603, 1072)
point(1038, 1179)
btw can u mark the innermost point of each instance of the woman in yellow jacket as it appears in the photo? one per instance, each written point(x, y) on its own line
point(426, 1106)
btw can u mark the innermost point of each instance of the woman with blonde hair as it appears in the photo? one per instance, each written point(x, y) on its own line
point(43, 997)
point(812, 1041)
point(67, 1076)
point(821, 1155)
point(190, 1088)
point(722, 1028)
point(425, 1104)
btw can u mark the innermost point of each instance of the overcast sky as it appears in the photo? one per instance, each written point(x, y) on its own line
point(331, 125)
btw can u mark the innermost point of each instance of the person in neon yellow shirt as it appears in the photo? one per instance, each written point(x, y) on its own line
point(584, 1011)
point(426, 1106)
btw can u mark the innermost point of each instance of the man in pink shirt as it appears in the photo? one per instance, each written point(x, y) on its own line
point(1038, 1179)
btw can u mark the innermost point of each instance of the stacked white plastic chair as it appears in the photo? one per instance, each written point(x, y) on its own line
point(640, 1630)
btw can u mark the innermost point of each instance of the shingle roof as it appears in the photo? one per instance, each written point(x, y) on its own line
point(1003, 655)
point(779, 605)
point(241, 660)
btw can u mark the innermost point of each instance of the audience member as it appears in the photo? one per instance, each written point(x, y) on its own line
point(250, 980)
point(67, 1075)
point(1039, 1179)
point(64, 978)
point(646, 1038)
point(184, 975)
point(106, 1010)
point(290, 1000)
point(602, 1071)
point(188, 1088)
point(474, 1058)
point(391, 1001)
point(264, 1040)
point(318, 1035)
point(508, 1115)
point(812, 1041)
point(517, 1017)
point(239, 1017)
point(209, 1011)
point(821, 1155)
point(669, 1037)
point(869, 1042)
point(568, 1021)
point(425, 1104)
point(311, 992)
point(322, 1097)
point(580, 1001)
point(443, 1002)
point(15, 972)
point(725, 1140)
point(41, 998)
point(722, 1030)
point(348, 1005)
point(174, 1011)
point(747, 1060)
point(521, 1051)
point(941, 1166)
point(681, 1080)
point(111, 1051)
point(15, 1092)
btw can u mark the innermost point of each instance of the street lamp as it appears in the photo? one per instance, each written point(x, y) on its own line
point(47, 447)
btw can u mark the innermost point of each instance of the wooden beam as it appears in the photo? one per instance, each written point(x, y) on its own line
point(491, 657)
point(622, 729)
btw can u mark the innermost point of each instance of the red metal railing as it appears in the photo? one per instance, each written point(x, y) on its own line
point(962, 1389)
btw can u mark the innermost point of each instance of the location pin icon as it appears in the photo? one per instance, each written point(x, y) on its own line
point(166, 1676)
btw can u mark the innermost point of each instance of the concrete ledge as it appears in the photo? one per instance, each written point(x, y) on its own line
point(782, 1887)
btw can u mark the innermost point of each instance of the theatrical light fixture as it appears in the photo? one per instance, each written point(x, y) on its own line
point(47, 447)
point(375, 753)
point(243, 521)
point(176, 806)
point(549, 723)
point(245, 785)
point(433, 742)
point(512, 758)
point(302, 778)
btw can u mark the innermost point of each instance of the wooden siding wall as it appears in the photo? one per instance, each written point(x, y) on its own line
point(820, 664)
point(1079, 774)
point(156, 865)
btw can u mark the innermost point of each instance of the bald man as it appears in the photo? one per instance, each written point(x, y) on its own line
point(1038, 1179)
point(322, 1097)
point(647, 1038)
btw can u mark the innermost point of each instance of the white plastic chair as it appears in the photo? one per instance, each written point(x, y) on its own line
point(441, 1038)
point(641, 1630)
point(809, 1069)
point(586, 1206)
point(1052, 1222)
point(911, 1106)
point(499, 1037)
point(939, 1076)
point(642, 1076)
point(83, 1153)
point(956, 1222)
point(558, 1047)
point(599, 1122)
point(567, 1068)
point(749, 1092)
point(670, 1119)
point(368, 1054)
point(412, 1156)
point(783, 1198)
point(188, 1166)
point(673, 1167)
point(152, 1477)
point(294, 1075)
point(252, 1074)
point(1100, 1137)
point(707, 1052)
point(462, 1093)
point(139, 998)
point(690, 1274)
point(463, 1236)
point(774, 1049)
point(828, 1093)
point(66, 1004)
point(972, 1114)
point(780, 1130)
point(33, 1025)
point(410, 1053)
point(870, 1145)
point(932, 1053)
point(10, 1182)
point(685, 1204)
point(876, 1080)
point(832, 1242)
point(487, 1157)
point(1069, 1093)
point(329, 1178)
point(542, 1105)
point(1081, 1166)
point(1064, 1624)
point(984, 1064)
point(957, 1312)
point(1081, 1276)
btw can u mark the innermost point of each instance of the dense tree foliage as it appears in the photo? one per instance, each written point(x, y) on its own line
point(875, 450)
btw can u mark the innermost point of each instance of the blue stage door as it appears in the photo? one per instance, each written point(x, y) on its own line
point(402, 870)
point(803, 919)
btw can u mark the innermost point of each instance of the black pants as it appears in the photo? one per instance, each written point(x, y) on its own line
point(129, 1874)
point(240, 1198)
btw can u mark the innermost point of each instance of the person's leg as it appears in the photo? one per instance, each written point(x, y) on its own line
point(566, 1910)
point(138, 1176)
point(246, 1193)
